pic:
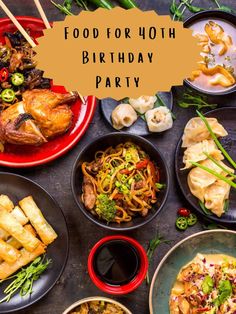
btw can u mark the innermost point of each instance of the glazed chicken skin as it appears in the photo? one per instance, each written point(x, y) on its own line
point(41, 115)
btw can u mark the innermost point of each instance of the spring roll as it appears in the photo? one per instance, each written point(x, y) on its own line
point(4, 235)
point(6, 202)
point(43, 228)
point(16, 244)
point(9, 223)
point(8, 253)
point(19, 215)
point(26, 257)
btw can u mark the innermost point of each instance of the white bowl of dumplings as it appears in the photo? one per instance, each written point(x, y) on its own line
point(158, 119)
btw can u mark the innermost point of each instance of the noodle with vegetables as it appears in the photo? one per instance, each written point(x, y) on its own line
point(120, 183)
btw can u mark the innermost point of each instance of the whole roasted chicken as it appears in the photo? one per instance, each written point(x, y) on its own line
point(41, 115)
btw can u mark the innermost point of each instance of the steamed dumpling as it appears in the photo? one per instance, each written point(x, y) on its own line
point(123, 115)
point(143, 103)
point(196, 131)
point(199, 179)
point(215, 197)
point(159, 119)
point(196, 152)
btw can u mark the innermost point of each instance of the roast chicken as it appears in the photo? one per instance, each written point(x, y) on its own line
point(41, 115)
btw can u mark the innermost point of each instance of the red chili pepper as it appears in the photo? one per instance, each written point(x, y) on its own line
point(142, 164)
point(4, 74)
point(183, 212)
point(125, 171)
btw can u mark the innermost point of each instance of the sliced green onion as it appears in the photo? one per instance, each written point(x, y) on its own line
point(233, 163)
point(219, 165)
point(214, 173)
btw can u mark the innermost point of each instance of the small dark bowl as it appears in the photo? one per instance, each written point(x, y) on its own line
point(211, 14)
point(113, 139)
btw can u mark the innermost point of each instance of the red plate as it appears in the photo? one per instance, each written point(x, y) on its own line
point(18, 156)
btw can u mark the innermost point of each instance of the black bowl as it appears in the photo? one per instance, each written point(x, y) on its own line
point(211, 14)
point(113, 139)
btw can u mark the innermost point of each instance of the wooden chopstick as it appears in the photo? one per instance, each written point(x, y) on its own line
point(42, 13)
point(17, 24)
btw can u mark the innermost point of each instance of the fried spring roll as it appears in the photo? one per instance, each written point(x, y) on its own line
point(16, 244)
point(26, 257)
point(4, 235)
point(19, 215)
point(6, 202)
point(8, 253)
point(43, 228)
point(9, 223)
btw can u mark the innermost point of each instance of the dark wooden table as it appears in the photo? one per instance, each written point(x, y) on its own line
point(55, 177)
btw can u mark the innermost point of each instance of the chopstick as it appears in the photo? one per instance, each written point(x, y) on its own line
point(17, 24)
point(42, 13)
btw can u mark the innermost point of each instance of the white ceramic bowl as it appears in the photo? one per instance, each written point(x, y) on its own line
point(76, 304)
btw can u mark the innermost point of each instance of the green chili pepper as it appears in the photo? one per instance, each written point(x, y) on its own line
point(17, 79)
point(8, 95)
point(181, 223)
point(192, 219)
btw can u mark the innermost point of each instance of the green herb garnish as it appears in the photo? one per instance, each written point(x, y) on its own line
point(160, 186)
point(153, 244)
point(224, 152)
point(191, 99)
point(207, 285)
point(214, 173)
point(225, 291)
point(25, 278)
point(105, 208)
point(205, 210)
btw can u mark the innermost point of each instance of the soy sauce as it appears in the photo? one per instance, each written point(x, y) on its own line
point(116, 262)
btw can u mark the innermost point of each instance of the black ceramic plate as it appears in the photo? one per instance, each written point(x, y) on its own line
point(227, 117)
point(18, 187)
point(140, 126)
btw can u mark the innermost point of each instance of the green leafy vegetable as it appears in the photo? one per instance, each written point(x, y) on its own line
point(25, 278)
point(207, 285)
point(105, 207)
point(225, 291)
point(224, 152)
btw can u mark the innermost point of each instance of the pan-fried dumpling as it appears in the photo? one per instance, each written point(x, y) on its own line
point(143, 103)
point(199, 179)
point(159, 119)
point(123, 115)
point(195, 131)
point(215, 197)
point(196, 152)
